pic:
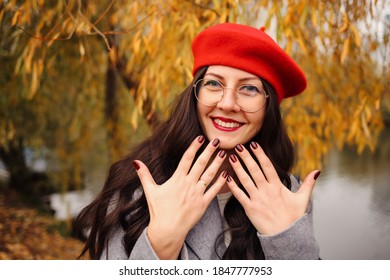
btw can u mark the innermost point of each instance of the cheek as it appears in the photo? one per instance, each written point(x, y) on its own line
point(256, 121)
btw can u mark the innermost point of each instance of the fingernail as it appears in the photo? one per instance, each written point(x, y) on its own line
point(233, 158)
point(254, 145)
point(224, 174)
point(222, 153)
point(239, 148)
point(317, 175)
point(215, 142)
point(229, 179)
point(136, 165)
point(201, 139)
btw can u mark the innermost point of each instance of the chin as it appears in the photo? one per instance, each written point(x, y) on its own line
point(228, 144)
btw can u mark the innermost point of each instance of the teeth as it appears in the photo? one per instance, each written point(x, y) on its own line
point(226, 124)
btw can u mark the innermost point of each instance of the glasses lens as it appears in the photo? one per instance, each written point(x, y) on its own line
point(208, 92)
point(251, 98)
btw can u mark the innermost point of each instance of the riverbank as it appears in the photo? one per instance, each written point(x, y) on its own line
point(27, 234)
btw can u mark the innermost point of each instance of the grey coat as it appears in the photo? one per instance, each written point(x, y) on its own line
point(296, 242)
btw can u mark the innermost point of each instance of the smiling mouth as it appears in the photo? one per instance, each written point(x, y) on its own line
point(226, 124)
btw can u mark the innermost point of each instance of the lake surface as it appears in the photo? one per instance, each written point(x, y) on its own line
point(352, 204)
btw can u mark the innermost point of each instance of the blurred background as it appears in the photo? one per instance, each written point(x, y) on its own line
point(81, 82)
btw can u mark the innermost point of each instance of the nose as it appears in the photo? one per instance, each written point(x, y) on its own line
point(228, 101)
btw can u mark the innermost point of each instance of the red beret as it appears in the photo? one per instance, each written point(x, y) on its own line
point(251, 50)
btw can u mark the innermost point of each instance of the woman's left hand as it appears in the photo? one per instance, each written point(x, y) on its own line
point(270, 206)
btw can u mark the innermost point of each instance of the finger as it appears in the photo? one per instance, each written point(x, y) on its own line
point(216, 187)
point(208, 176)
point(252, 166)
point(309, 183)
point(238, 193)
point(244, 178)
point(144, 175)
point(203, 159)
point(188, 157)
point(266, 164)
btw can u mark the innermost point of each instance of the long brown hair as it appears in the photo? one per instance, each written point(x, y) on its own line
point(123, 203)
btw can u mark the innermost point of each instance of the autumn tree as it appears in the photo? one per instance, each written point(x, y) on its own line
point(76, 74)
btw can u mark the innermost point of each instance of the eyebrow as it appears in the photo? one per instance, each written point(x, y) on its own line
point(241, 80)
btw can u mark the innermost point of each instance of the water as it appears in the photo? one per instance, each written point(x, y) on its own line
point(352, 204)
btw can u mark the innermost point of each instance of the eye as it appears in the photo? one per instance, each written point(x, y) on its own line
point(212, 84)
point(249, 90)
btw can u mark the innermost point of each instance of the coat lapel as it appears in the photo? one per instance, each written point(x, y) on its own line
point(201, 239)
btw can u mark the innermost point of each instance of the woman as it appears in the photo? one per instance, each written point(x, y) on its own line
point(213, 181)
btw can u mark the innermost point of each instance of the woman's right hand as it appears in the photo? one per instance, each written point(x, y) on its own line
point(178, 204)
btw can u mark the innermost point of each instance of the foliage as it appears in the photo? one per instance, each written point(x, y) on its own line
point(26, 234)
point(76, 73)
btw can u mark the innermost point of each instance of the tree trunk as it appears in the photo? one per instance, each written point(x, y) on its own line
point(21, 177)
point(15, 162)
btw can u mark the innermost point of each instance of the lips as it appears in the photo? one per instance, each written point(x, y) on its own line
point(226, 124)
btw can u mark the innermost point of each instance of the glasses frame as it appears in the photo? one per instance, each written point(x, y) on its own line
point(266, 95)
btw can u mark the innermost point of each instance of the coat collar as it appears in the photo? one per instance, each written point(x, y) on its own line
point(202, 237)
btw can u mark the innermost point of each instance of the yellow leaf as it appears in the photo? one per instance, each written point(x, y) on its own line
point(216, 4)
point(134, 119)
point(211, 16)
point(82, 49)
point(314, 19)
point(34, 81)
point(15, 18)
point(377, 104)
point(160, 30)
point(345, 52)
point(345, 23)
point(373, 46)
point(224, 16)
point(352, 131)
point(136, 46)
point(288, 46)
point(358, 40)
point(365, 126)
point(302, 43)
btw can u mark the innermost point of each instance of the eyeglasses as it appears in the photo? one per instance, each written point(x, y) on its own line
point(250, 98)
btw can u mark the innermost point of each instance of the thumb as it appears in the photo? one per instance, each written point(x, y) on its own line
point(144, 175)
point(309, 182)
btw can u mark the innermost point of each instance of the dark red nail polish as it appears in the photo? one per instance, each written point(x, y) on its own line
point(224, 174)
point(239, 148)
point(254, 145)
point(136, 165)
point(317, 175)
point(233, 158)
point(215, 142)
point(201, 139)
point(229, 179)
point(222, 153)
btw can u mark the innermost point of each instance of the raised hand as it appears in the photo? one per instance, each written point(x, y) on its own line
point(178, 204)
point(270, 206)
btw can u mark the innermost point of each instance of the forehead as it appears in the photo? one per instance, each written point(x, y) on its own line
point(230, 72)
point(226, 73)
